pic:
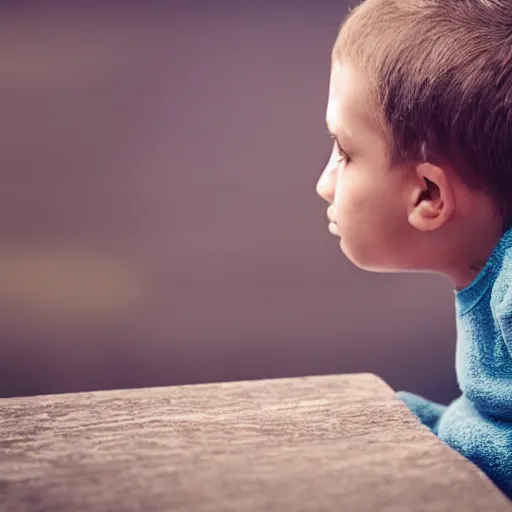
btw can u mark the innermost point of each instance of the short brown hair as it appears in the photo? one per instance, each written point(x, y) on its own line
point(440, 72)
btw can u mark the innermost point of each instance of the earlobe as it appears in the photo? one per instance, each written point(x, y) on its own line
point(432, 202)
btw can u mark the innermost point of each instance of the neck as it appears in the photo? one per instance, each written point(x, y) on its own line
point(472, 235)
point(464, 279)
point(472, 257)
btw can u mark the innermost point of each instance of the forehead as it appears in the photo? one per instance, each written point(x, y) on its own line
point(350, 104)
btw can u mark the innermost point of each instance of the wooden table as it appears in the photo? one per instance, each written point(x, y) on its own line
point(330, 443)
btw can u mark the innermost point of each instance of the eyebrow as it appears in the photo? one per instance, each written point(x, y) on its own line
point(341, 136)
point(335, 132)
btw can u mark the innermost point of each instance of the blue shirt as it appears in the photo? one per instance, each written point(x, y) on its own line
point(479, 423)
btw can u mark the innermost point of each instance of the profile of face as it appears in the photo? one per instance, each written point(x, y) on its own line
point(377, 211)
point(366, 210)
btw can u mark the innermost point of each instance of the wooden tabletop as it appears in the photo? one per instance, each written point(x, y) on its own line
point(330, 443)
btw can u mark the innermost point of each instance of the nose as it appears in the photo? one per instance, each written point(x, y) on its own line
point(326, 184)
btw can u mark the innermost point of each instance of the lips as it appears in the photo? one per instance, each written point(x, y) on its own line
point(333, 226)
point(333, 229)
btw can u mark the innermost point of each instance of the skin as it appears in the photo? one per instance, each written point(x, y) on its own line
point(420, 217)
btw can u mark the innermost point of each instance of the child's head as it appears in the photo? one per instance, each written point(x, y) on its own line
point(420, 102)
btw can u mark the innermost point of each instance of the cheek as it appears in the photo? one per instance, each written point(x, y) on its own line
point(364, 222)
point(351, 199)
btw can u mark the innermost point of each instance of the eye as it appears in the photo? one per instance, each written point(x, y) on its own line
point(342, 155)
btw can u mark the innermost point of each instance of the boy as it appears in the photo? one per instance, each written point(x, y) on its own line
point(420, 179)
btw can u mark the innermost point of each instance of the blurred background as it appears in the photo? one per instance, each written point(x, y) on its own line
point(158, 217)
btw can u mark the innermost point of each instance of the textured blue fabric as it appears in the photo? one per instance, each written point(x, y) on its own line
point(478, 424)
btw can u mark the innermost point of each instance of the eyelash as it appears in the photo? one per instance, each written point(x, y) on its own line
point(343, 154)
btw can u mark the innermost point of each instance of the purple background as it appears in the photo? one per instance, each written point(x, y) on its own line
point(158, 217)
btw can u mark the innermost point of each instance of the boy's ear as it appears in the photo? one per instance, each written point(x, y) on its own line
point(432, 199)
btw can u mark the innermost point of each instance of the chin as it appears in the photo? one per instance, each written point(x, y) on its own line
point(367, 262)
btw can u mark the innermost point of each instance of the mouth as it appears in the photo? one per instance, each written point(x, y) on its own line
point(333, 229)
point(333, 226)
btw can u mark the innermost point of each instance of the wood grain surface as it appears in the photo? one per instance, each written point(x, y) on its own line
point(329, 443)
